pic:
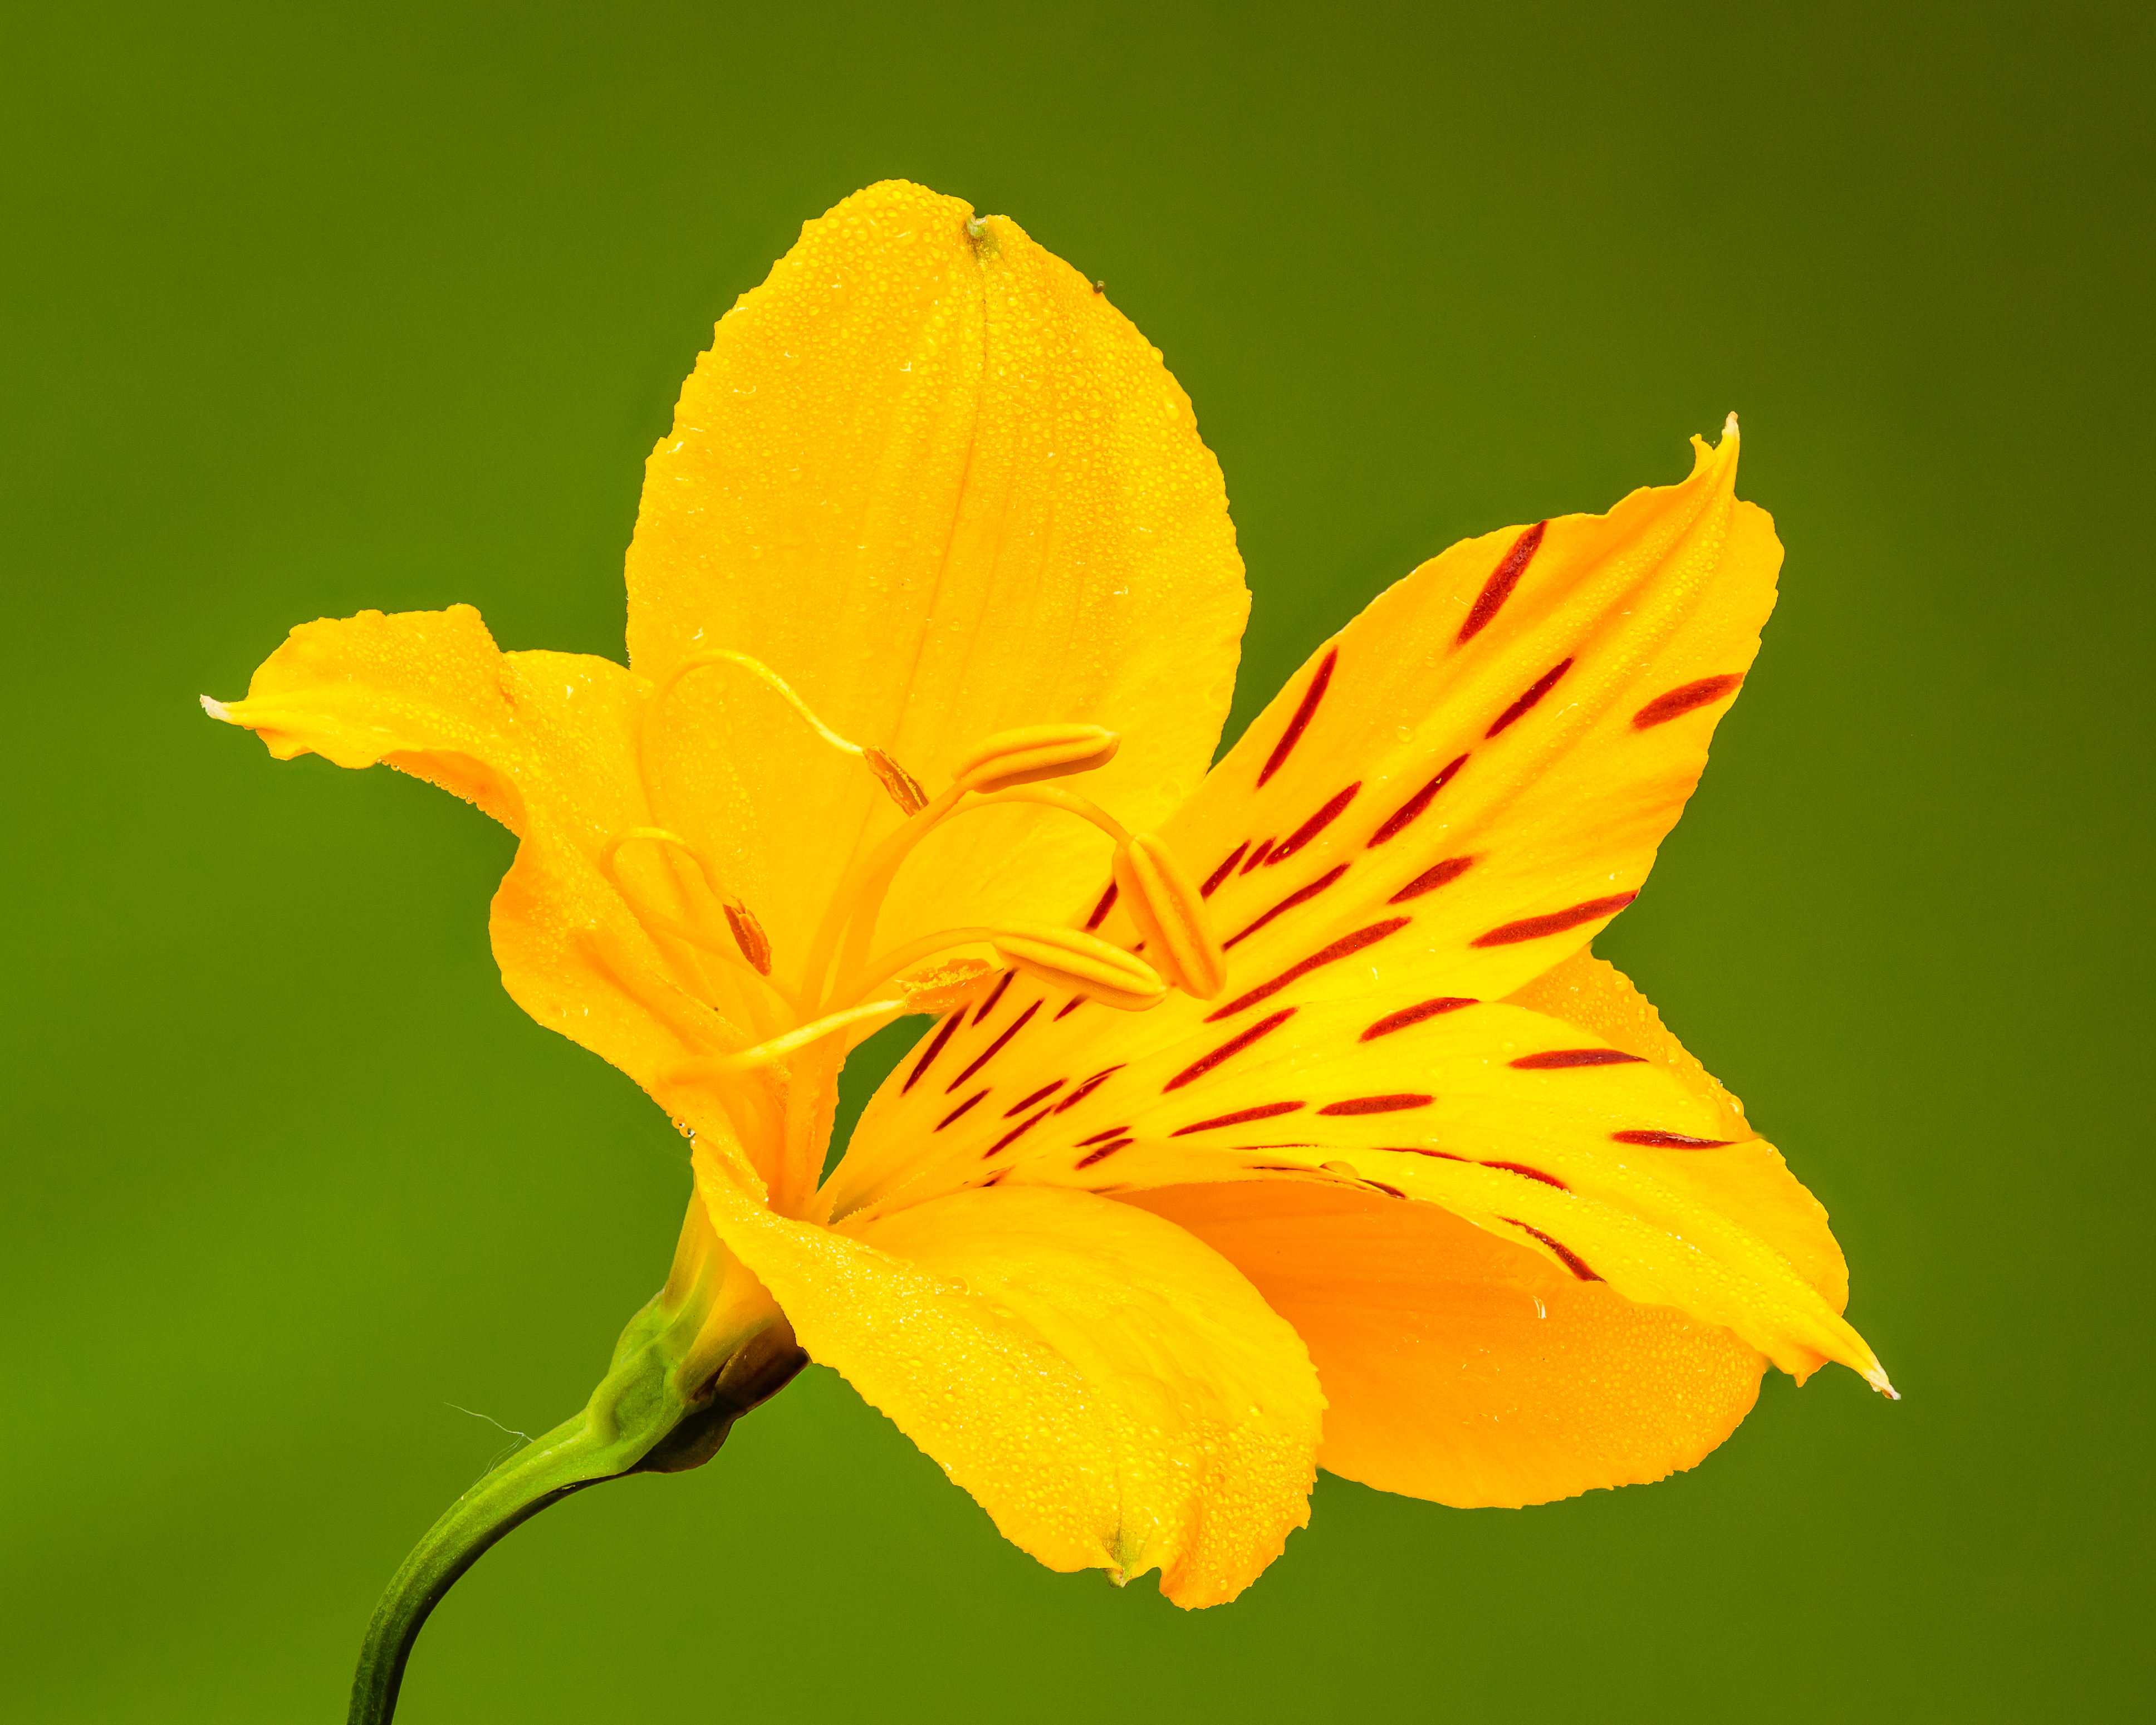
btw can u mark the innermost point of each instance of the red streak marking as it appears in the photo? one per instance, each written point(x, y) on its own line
point(1430, 879)
point(1533, 1174)
point(1279, 1167)
point(1214, 879)
point(1502, 580)
point(1423, 1150)
point(1258, 856)
point(1101, 1154)
point(1533, 928)
point(1107, 904)
point(1303, 895)
point(1572, 1261)
point(1070, 1007)
point(1557, 1060)
point(991, 1180)
point(1087, 1088)
point(1263, 1112)
point(1671, 1141)
point(993, 1049)
point(1341, 948)
point(995, 994)
point(1040, 1095)
point(964, 1107)
point(1300, 722)
point(1415, 1014)
point(935, 1048)
point(1389, 1191)
point(1682, 700)
point(1378, 1105)
point(1015, 1134)
point(1233, 1045)
point(1113, 1132)
point(1312, 828)
point(1520, 708)
point(1415, 804)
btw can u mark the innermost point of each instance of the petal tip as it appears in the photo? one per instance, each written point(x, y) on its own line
point(1877, 1378)
point(216, 709)
point(1729, 426)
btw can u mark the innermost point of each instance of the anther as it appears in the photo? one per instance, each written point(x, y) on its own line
point(749, 935)
point(905, 789)
point(1079, 964)
point(1034, 752)
point(939, 988)
point(1170, 913)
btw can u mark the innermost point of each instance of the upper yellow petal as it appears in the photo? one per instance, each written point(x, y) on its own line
point(929, 476)
point(1111, 1389)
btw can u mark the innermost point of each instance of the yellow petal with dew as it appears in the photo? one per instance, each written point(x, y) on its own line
point(1111, 1390)
point(935, 481)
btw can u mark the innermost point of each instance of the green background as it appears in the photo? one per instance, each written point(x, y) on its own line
point(312, 308)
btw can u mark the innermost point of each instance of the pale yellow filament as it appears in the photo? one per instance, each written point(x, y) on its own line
point(755, 668)
point(727, 949)
point(776, 1048)
point(861, 895)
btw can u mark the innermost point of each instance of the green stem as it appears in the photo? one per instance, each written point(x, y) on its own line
point(666, 1406)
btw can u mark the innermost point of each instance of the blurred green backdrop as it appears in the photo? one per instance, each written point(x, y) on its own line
point(316, 308)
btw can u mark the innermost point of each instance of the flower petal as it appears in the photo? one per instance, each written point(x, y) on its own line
point(1111, 1390)
point(1474, 775)
point(1461, 1368)
point(1604, 1161)
point(1749, 1178)
point(545, 743)
point(935, 480)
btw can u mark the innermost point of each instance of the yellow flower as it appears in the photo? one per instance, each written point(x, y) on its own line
point(1278, 1115)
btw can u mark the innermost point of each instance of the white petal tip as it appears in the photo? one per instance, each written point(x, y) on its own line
point(1729, 426)
point(216, 709)
point(1877, 1378)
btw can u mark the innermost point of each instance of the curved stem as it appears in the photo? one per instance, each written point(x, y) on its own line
point(566, 1460)
point(697, 1358)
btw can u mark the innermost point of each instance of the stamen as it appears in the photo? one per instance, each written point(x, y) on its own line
point(860, 899)
point(1034, 752)
point(750, 948)
point(610, 866)
point(906, 790)
point(1067, 959)
point(755, 668)
point(748, 934)
point(765, 1053)
point(1170, 913)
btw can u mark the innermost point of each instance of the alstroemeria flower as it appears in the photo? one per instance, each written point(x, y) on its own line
point(1330, 1143)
